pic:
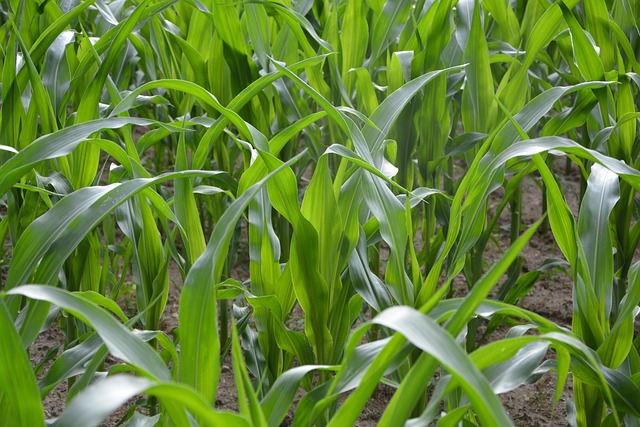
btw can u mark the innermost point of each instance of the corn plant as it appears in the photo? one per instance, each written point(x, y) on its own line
point(343, 154)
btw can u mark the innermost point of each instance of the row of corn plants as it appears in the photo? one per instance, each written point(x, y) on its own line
point(346, 152)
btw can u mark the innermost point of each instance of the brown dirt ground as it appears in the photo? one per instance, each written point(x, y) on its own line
point(530, 405)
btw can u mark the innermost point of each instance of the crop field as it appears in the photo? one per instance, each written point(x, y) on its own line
point(319, 213)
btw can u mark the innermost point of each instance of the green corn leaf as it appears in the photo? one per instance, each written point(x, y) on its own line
point(518, 370)
point(353, 40)
point(49, 35)
point(561, 219)
point(40, 96)
point(69, 221)
point(535, 110)
point(199, 344)
point(430, 338)
point(121, 342)
point(19, 397)
point(602, 194)
point(187, 210)
point(320, 207)
point(240, 101)
point(280, 398)
point(194, 59)
point(311, 288)
point(85, 160)
point(257, 23)
point(625, 107)
point(227, 24)
point(55, 145)
point(402, 403)
point(389, 109)
point(297, 23)
point(587, 59)
point(506, 20)
point(597, 23)
point(251, 409)
point(365, 282)
point(55, 239)
point(544, 30)
point(388, 26)
point(188, 87)
point(70, 363)
point(98, 401)
point(573, 118)
point(539, 145)
point(479, 108)
point(13, 111)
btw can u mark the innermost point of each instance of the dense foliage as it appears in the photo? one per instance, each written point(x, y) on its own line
point(346, 150)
